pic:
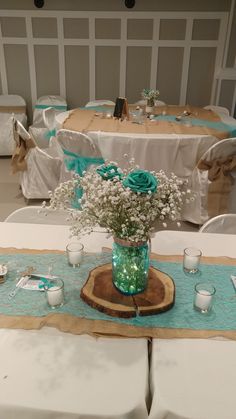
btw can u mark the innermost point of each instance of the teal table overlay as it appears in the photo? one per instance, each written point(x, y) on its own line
point(101, 108)
point(57, 107)
point(195, 122)
point(182, 315)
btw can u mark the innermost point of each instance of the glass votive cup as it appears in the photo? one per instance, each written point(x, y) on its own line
point(3, 273)
point(191, 261)
point(74, 252)
point(54, 290)
point(203, 298)
point(109, 115)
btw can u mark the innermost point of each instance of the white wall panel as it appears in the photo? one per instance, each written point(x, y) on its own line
point(69, 48)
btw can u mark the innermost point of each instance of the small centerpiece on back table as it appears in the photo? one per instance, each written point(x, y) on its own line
point(127, 203)
point(150, 95)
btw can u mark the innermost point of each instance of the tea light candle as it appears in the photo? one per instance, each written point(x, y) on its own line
point(75, 257)
point(54, 290)
point(191, 259)
point(203, 299)
point(74, 253)
point(204, 293)
point(55, 296)
point(191, 262)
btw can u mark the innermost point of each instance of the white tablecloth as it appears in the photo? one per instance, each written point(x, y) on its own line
point(170, 152)
point(49, 374)
point(193, 378)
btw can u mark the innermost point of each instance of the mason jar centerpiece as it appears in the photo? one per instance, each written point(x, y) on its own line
point(126, 203)
point(150, 95)
point(130, 251)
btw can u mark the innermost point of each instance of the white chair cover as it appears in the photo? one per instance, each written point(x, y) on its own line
point(38, 215)
point(77, 142)
point(197, 211)
point(40, 170)
point(221, 224)
point(49, 119)
point(99, 102)
point(39, 130)
point(42, 174)
point(11, 106)
point(218, 109)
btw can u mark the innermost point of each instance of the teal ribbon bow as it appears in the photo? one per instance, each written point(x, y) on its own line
point(80, 164)
point(57, 107)
point(49, 134)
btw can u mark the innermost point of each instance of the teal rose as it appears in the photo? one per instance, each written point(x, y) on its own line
point(109, 171)
point(141, 181)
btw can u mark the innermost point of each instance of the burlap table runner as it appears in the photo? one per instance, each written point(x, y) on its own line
point(85, 120)
point(75, 325)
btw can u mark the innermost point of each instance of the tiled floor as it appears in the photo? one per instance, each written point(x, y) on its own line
point(11, 197)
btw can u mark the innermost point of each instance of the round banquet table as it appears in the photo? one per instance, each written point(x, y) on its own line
point(47, 373)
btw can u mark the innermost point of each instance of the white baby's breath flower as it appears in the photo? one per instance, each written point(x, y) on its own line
point(123, 212)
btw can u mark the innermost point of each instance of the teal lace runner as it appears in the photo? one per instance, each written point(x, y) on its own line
point(182, 315)
point(217, 125)
point(101, 108)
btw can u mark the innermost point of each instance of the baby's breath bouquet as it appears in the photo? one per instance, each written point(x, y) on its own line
point(151, 95)
point(127, 203)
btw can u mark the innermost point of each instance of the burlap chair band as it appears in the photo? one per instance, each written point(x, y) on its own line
point(18, 163)
point(219, 174)
point(13, 109)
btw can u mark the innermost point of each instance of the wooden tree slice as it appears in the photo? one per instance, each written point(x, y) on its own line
point(100, 293)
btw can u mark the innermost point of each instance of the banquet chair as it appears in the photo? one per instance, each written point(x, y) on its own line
point(80, 155)
point(213, 183)
point(39, 131)
point(99, 102)
point(79, 151)
point(217, 109)
point(39, 169)
point(49, 119)
point(38, 215)
point(11, 106)
point(224, 223)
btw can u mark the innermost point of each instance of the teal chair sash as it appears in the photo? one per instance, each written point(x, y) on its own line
point(57, 107)
point(79, 164)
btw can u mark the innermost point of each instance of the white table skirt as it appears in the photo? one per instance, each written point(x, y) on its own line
point(193, 378)
point(48, 374)
point(170, 152)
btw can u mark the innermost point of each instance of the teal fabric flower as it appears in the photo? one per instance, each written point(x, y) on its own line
point(109, 171)
point(141, 181)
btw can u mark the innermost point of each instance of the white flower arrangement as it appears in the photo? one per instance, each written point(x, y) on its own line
point(127, 203)
point(150, 94)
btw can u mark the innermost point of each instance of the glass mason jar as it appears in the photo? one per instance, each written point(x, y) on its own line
point(130, 266)
point(150, 106)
